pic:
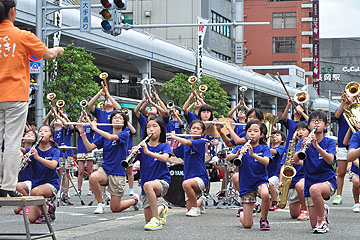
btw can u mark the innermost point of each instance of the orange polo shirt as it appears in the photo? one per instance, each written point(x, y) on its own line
point(15, 48)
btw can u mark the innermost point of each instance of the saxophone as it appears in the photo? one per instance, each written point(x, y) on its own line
point(287, 172)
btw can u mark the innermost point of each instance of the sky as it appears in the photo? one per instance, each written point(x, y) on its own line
point(339, 18)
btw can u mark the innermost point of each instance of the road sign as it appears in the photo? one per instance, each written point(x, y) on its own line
point(85, 16)
point(35, 67)
point(32, 58)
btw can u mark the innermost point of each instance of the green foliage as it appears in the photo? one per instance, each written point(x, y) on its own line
point(71, 79)
point(178, 89)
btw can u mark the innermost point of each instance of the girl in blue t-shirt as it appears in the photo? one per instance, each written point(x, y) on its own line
point(155, 175)
point(110, 174)
point(191, 116)
point(195, 175)
point(320, 177)
point(45, 180)
point(253, 176)
point(24, 181)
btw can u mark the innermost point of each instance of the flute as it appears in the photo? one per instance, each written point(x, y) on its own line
point(125, 163)
point(307, 143)
point(98, 124)
point(183, 135)
point(27, 156)
point(222, 123)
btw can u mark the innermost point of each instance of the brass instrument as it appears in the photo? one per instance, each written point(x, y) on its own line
point(283, 84)
point(83, 104)
point(129, 159)
point(145, 83)
point(238, 160)
point(27, 156)
point(125, 110)
point(203, 88)
point(60, 103)
point(352, 116)
point(193, 80)
point(243, 89)
point(170, 104)
point(100, 105)
point(51, 97)
point(352, 89)
point(287, 172)
point(269, 121)
point(301, 97)
point(104, 76)
point(307, 143)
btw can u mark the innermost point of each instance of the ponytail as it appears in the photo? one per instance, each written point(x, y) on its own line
point(5, 6)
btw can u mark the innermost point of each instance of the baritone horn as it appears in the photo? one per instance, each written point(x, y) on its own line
point(301, 97)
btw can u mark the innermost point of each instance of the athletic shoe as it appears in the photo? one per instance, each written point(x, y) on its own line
point(321, 227)
point(137, 204)
point(42, 220)
point(337, 200)
point(26, 209)
point(100, 208)
point(273, 207)
point(304, 215)
point(202, 206)
point(356, 208)
point(264, 225)
point(240, 209)
point(193, 212)
point(89, 193)
point(4, 193)
point(131, 191)
point(153, 225)
point(163, 214)
point(51, 212)
point(326, 210)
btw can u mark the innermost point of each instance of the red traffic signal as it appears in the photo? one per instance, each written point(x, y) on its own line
point(106, 3)
point(120, 4)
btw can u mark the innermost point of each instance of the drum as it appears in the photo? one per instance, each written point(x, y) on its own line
point(176, 194)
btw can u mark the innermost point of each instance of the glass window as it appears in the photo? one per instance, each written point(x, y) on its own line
point(284, 44)
point(284, 20)
point(223, 30)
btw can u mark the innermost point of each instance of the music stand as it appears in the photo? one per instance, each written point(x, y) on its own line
point(64, 148)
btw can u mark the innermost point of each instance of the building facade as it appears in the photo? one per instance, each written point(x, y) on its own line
point(286, 41)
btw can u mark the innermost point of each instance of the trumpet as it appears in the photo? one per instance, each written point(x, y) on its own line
point(243, 89)
point(60, 104)
point(193, 80)
point(125, 110)
point(170, 104)
point(203, 88)
point(307, 143)
point(129, 159)
point(100, 105)
point(301, 97)
point(238, 160)
point(51, 97)
point(104, 76)
point(83, 104)
point(27, 156)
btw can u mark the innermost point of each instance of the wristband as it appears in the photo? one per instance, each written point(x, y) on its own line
point(82, 134)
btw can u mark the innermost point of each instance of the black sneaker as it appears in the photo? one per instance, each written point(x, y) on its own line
point(51, 212)
point(264, 225)
point(4, 193)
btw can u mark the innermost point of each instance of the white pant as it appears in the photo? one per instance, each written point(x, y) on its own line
point(12, 124)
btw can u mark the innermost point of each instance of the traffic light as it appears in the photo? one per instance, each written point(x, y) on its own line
point(120, 4)
point(32, 92)
point(111, 16)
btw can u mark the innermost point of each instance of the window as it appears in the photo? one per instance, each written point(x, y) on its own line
point(223, 30)
point(284, 63)
point(284, 44)
point(283, 0)
point(222, 56)
point(284, 20)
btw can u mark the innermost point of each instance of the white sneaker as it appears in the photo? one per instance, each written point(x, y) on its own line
point(100, 208)
point(89, 193)
point(202, 206)
point(137, 206)
point(356, 208)
point(337, 200)
point(193, 212)
point(131, 192)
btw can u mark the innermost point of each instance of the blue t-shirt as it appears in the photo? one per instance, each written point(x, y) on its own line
point(194, 160)
point(90, 136)
point(355, 143)
point(152, 169)
point(41, 174)
point(114, 151)
point(316, 170)
point(290, 126)
point(342, 129)
point(173, 126)
point(190, 117)
point(239, 129)
point(130, 141)
point(142, 121)
point(67, 141)
point(252, 173)
point(26, 174)
point(59, 138)
point(102, 117)
point(273, 167)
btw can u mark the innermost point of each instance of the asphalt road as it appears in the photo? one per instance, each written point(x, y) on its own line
point(79, 222)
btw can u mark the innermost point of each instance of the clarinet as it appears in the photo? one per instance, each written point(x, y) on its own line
point(307, 143)
point(125, 163)
point(27, 156)
point(238, 160)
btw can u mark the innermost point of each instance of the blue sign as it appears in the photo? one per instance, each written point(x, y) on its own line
point(35, 67)
point(85, 16)
point(32, 58)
